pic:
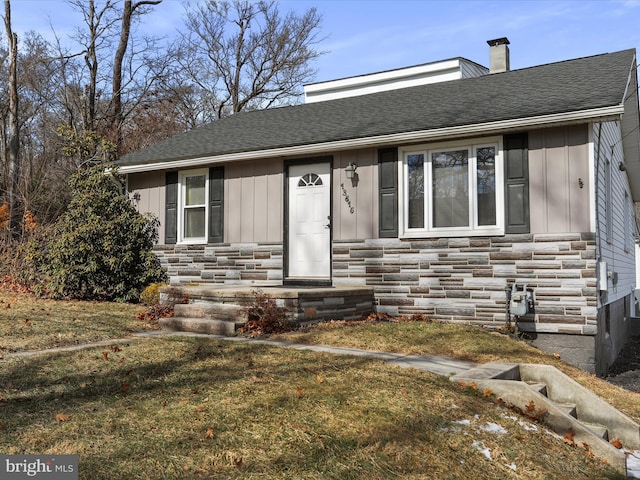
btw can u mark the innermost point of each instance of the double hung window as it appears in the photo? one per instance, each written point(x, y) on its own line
point(454, 189)
point(193, 206)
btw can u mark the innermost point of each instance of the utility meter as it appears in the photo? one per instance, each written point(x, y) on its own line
point(521, 301)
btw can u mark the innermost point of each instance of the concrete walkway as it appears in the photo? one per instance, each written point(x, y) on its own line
point(428, 363)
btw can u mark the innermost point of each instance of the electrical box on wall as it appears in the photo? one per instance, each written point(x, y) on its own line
point(602, 276)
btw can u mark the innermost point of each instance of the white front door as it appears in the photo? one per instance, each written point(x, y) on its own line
point(309, 233)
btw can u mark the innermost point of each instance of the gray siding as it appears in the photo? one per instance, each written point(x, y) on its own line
point(151, 188)
point(470, 69)
point(253, 204)
point(355, 204)
point(559, 184)
point(613, 249)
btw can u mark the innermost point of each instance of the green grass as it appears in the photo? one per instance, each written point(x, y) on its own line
point(181, 407)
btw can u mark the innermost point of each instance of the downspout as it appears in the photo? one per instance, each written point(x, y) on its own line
point(602, 294)
point(595, 192)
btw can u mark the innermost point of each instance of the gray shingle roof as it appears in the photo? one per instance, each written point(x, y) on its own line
point(569, 86)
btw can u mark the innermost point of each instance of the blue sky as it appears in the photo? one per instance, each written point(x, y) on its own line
point(365, 36)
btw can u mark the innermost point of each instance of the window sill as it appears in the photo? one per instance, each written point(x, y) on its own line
point(486, 232)
point(194, 241)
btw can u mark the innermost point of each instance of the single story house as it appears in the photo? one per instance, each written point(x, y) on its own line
point(449, 188)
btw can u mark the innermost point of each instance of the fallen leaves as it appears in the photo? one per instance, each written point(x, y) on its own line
point(531, 407)
point(62, 417)
point(569, 436)
point(209, 434)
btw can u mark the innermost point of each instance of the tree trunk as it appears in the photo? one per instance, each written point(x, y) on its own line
point(92, 64)
point(13, 148)
point(125, 31)
point(116, 121)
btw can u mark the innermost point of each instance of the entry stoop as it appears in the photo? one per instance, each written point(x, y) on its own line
point(220, 310)
point(211, 318)
point(570, 407)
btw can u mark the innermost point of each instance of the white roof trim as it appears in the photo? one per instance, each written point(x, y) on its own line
point(396, 138)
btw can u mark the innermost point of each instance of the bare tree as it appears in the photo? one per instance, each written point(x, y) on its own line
point(125, 31)
point(13, 145)
point(99, 24)
point(248, 55)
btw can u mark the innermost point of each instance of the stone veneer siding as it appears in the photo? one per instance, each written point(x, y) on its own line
point(229, 264)
point(466, 279)
point(449, 279)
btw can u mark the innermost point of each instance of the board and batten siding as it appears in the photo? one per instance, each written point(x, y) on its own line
point(613, 216)
point(355, 203)
point(253, 204)
point(151, 188)
point(253, 208)
point(559, 185)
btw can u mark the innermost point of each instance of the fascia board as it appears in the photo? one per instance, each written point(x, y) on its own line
point(380, 140)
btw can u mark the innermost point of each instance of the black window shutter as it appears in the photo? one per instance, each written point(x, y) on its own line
point(216, 204)
point(388, 192)
point(516, 183)
point(171, 209)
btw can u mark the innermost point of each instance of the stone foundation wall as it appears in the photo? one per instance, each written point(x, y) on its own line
point(466, 279)
point(229, 264)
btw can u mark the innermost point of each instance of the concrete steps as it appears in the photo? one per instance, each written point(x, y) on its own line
point(212, 318)
point(219, 309)
point(569, 409)
point(600, 430)
point(226, 312)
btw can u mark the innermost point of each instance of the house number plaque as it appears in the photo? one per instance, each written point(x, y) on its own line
point(347, 200)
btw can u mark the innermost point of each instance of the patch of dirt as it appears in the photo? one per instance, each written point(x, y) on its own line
point(625, 372)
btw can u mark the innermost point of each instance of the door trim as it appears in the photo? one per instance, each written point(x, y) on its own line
point(309, 282)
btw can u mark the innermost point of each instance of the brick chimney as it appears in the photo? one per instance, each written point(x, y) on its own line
point(498, 55)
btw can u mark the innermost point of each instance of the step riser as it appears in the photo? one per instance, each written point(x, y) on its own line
point(222, 312)
point(599, 430)
point(199, 325)
point(568, 409)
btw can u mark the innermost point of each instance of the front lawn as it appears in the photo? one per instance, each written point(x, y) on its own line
point(28, 322)
point(204, 408)
point(184, 407)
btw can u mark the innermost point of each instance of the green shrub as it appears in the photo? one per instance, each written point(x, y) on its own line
point(101, 247)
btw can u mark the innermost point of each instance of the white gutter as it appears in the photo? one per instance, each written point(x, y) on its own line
point(396, 138)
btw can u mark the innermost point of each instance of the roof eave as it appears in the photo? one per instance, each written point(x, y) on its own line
point(602, 113)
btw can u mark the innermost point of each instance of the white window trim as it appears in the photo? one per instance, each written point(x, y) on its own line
point(182, 175)
point(427, 149)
